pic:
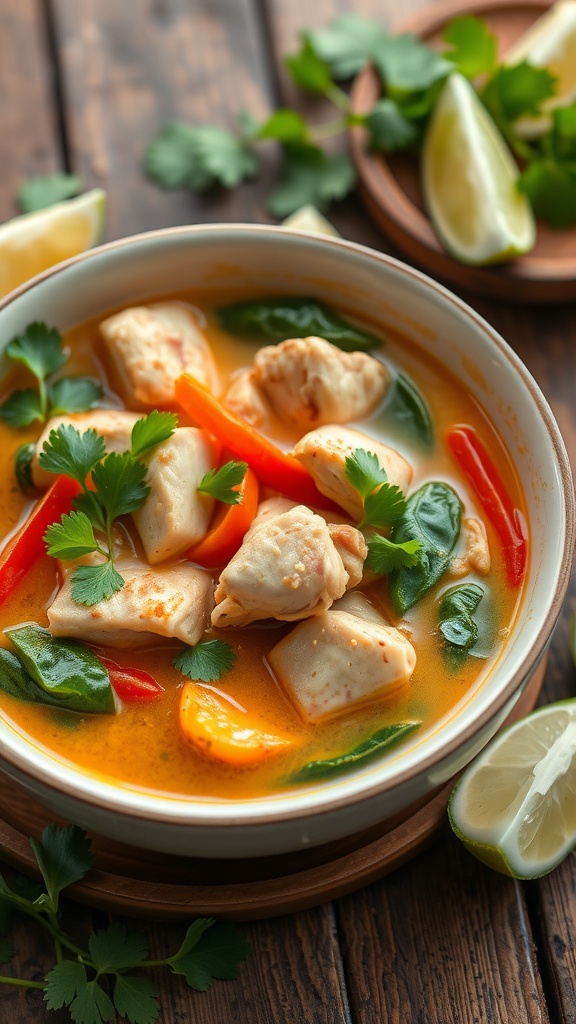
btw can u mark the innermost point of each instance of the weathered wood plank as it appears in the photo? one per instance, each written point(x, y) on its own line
point(129, 68)
point(30, 144)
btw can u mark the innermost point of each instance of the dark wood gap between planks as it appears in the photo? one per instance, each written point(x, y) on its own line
point(46, 19)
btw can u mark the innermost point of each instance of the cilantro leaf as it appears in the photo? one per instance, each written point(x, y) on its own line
point(199, 157)
point(384, 502)
point(286, 126)
point(563, 142)
point(74, 394)
point(152, 430)
point(115, 949)
point(94, 583)
point(364, 471)
point(384, 555)
point(92, 1005)
point(551, 189)
point(309, 175)
point(308, 70)
point(71, 453)
point(22, 408)
point(348, 43)
point(38, 193)
point(515, 91)
point(215, 953)
point(119, 482)
point(405, 64)
point(136, 999)
point(474, 48)
point(220, 483)
point(64, 857)
point(389, 128)
point(63, 982)
point(39, 349)
point(207, 660)
point(72, 537)
point(384, 506)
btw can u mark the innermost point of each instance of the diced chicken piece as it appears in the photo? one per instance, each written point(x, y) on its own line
point(309, 381)
point(114, 425)
point(150, 346)
point(351, 547)
point(169, 601)
point(245, 398)
point(175, 516)
point(324, 451)
point(287, 568)
point(344, 656)
point(476, 557)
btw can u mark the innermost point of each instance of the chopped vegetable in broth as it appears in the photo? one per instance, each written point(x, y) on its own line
point(241, 557)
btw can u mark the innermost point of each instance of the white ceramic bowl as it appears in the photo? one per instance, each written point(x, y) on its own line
point(389, 294)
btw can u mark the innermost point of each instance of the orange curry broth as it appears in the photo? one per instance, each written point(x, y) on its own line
point(141, 747)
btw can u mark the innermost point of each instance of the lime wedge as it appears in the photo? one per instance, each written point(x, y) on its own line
point(469, 179)
point(309, 218)
point(515, 806)
point(549, 43)
point(33, 242)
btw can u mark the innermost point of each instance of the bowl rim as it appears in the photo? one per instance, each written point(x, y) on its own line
point(308, 802)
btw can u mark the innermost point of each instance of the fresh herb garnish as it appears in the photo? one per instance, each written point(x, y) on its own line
point(206, 661)
point(384, 502)
point(221, 483)
point(97, 983)
point(117, 487)
point(38, 193)
point(40, 350)
point(411, 73)
point(385, 555)
point(457, 605)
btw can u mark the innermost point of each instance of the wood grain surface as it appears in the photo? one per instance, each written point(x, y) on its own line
point(84, 84)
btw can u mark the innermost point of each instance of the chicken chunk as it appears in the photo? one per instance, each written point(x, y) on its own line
point(150, 346)
point(170, 601)
point(309, 381)
point(346, 655)
point(323, 452)
point(245, 398)
point(114, 425)
point(476, 556)
point(287, 568)
point(175, 516)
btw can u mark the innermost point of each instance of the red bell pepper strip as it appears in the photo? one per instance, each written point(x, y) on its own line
point(506, 519)
point(228, 526)
point(131, 685)
point(27, 546)
point(272, 466)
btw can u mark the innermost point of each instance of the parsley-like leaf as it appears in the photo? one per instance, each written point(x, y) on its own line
point(38, 193)
point(384, 555)
point(64, 857)
point(152, 430)
point(71, 453)
point(407, 65)
point(384, 506)
point(516, 91)
point(94, 583)
point(473, 47)
point(199, 157)
point(213, 951)
point(207, 660)
point(551, 189)
point(348, 43)
point(384, 502)
point(74, 394)
point(63, 982)
point(22, 408)
point(308, 70)
point(389, 128)
point(285, 125)
point(311, 176)
point(119, 482)
point(39, 349)
point(364, 471)
point(136, 999)
point(115, 949)
point(92, 1005)
point(220, 483)
point(72, 537)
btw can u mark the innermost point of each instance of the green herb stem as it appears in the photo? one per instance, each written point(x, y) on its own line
point(339, 98)
point(328, 130)
point(22, 982)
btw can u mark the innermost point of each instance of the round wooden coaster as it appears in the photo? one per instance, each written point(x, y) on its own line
point(143, 883)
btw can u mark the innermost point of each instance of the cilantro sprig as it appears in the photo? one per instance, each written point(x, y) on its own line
point(97, 983)
point(117, 487)
point(206, 660)
point(222, 483)
point(411, 74)
point(40, 350)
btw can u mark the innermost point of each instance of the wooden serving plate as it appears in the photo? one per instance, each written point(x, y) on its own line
point(157, 886)
point(390, 186)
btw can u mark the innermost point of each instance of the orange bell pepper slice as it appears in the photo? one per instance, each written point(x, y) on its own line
point(272, 466)
point(220, 728)
point(228, 526)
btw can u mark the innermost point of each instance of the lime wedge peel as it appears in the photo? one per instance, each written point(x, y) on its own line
point(32, 242)
point(469, 179)
point(514, 807)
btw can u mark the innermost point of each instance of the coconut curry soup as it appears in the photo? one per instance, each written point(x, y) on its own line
point(249, 545)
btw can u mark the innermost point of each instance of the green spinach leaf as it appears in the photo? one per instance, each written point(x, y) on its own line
point(359, 755)
point(292, 317)
point(457, 606)
point(408, 408)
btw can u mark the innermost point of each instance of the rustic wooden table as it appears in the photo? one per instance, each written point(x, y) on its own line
point(83, 85)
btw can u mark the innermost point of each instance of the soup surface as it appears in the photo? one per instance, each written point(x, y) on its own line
point(261, 731)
